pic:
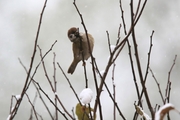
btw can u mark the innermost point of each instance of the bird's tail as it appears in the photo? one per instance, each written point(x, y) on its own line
point(72, 67)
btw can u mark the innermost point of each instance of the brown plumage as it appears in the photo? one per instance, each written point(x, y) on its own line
point(74, 36)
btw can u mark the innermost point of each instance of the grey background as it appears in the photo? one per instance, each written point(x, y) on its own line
point(18, 24)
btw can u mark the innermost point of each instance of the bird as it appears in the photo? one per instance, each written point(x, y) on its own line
point(79, 46)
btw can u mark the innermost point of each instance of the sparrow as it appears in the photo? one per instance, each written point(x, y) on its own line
point(79, 46)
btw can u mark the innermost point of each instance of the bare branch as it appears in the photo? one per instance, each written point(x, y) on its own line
point(122, 17)
point(149, 56)
point(73, 112)
point(32, 106)
point(114, 91)
point(157, 85)
point(14, 111)
point(44, 68)
point(110, 95)
point(53, 89)
point(50, 99)
point(92, 60)
point(109, 44)
point(37, 87)
point(138, 62)
point(69, 83)
point(41, 62)
point(169, 76)
point(31, 115)
point(55, 85)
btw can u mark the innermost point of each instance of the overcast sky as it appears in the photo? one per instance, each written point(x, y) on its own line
point(19, 22)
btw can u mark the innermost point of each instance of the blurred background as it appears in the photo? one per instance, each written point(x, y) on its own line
point(19, 21)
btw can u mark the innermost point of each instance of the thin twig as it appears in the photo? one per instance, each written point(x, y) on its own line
point(149, 56)
point(157, 85)
point(130, 54)
point(73, 113)
point(137, 9)
point(41, 62)
point(69, 83)
point(118, 52)
point(10, 110)
point(90, 114)
point(84, 63)
point(139, 65)
point(31, 115)
point(37, 88)
point(140, 13)
point(112, 98)
point(55, 85)
point(92, 60)
point(32, 106)
point(138, 62)
point(122, 17)
point(109, 44)
point(134, 78)
point(103, 79)
point(53, 89)
point(118, 36)
point(62, 113)
point(168, 99)
point(168, 87)
point(44, 68)
point(169, 76)
point(129, 47)
point(64, 107)
point(114, 91)
point(146, 73)
point(41, 98)
point(18, 103)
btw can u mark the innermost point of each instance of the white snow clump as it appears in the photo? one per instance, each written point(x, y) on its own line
point(86, 96)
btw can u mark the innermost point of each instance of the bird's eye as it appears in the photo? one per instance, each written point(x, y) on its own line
point(70, 35)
